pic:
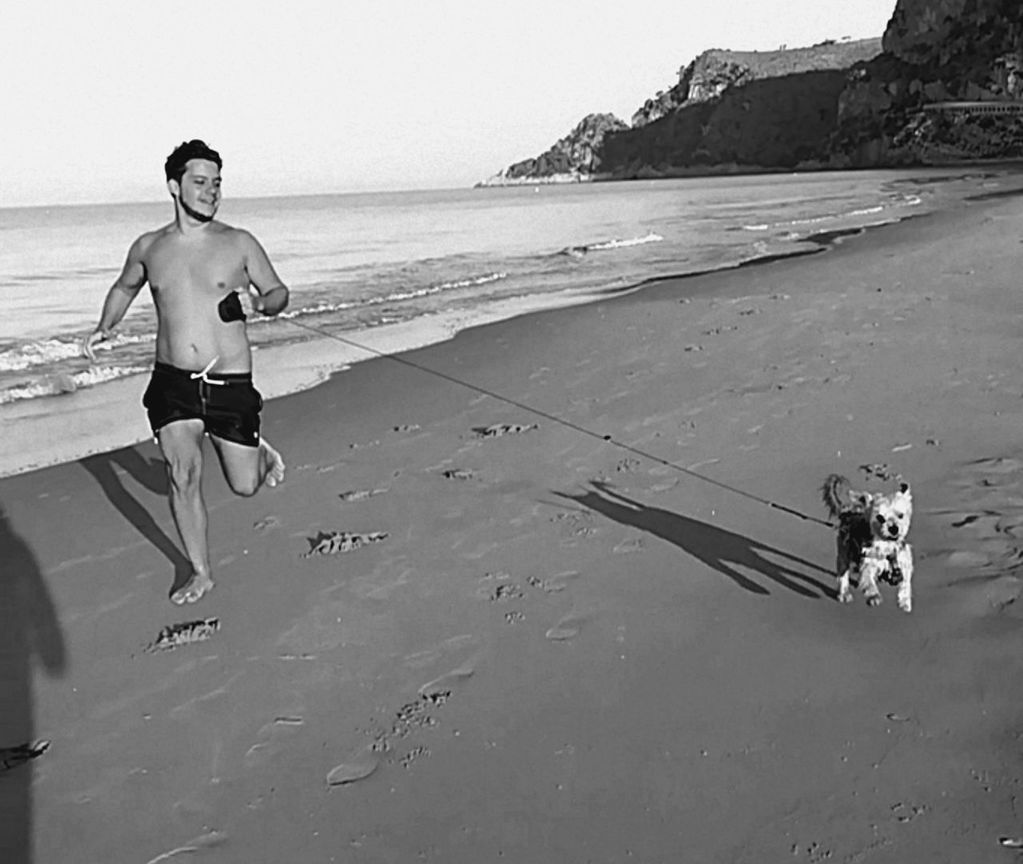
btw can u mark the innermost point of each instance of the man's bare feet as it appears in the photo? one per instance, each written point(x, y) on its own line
point(274, 464)
point(193, 590)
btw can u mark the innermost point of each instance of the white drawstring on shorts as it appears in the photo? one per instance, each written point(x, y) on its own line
point(203, 374)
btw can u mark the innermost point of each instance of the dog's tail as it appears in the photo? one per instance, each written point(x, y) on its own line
point(836, 497)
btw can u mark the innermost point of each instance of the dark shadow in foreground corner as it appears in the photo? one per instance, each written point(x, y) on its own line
point(151, 474)
point(29, 632)
point(717, 548)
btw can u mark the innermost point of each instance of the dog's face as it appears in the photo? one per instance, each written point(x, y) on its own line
point(890, 514)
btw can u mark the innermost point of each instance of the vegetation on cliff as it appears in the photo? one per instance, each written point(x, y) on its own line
point(768, 109)
point(715, 71)
point(936, 51)
point(874, 102)
point(771, 123)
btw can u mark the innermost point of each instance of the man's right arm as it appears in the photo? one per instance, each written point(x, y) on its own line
point(120, 296)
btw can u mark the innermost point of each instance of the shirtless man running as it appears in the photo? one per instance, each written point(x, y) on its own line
point(199, 270)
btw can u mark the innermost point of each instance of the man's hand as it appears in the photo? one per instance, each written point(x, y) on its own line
point(271, 303)
point(252, 299)
point(92, 340)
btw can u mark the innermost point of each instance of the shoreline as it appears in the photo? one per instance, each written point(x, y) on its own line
point(554, 650)
point(733, 169)
point(33, 421)
point(309, 364)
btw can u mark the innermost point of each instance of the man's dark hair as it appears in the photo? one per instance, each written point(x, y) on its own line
point(174, 167)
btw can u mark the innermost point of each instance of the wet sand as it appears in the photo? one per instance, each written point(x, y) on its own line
point(462, 631)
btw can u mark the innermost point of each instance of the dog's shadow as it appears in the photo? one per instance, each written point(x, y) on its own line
point(716, 547)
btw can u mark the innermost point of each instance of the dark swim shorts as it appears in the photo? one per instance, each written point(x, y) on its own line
point(228, 404)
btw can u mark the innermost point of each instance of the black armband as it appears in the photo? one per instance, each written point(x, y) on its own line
point(230, 308)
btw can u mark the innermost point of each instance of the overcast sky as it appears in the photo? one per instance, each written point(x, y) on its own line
point(336, 95)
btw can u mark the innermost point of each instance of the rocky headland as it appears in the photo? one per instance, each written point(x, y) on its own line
point(943, 84)
point(576, 157)
point(895, 108)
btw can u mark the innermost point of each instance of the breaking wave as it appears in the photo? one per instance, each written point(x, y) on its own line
point(44, 351)
point(604, 245)
point(395, 296)
point(64, 382)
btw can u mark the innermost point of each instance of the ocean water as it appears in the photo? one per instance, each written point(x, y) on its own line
point(416, 265)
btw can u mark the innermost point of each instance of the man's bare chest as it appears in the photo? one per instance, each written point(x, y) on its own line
point(208, 267)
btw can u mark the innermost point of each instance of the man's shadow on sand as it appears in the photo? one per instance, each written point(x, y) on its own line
point(717, 548)
point(152, 475)
point(30, 633)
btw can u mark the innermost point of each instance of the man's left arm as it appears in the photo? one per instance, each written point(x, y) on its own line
point(268, 293)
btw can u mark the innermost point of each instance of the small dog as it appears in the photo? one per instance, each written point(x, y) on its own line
point(872, 531)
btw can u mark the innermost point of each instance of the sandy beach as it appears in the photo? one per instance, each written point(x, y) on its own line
point(463, 631)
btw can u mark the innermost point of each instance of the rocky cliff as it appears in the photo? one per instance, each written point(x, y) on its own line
point(740, 111)
point(847, 104)
point(774, 123)
point(715, 71)
point(575, 157)
point(751, 108)
point(936, 51)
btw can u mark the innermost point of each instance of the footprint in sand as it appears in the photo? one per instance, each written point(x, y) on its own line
point(415, 753)
point(626, 546)
point(567, 628)
point(420, 659)
point(1001, 592)
point(559, 581)
point(505, 592)
point(983, 596)
point(209, 840)
point(411, 716)
point(495, 576)
point(357, 446)
point(357, 766)
point(986, 537)
point(665, 486)
point(360, 494)
point(340, 541)
point(981, 526)
point(575, 524)
point(323, 469)
point(458, 474)
point(499, 429)
point(270, 739)
point(186, 633)
point(442, 686)
point(967, 559)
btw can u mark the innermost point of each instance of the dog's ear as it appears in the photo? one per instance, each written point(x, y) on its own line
point(861, 499)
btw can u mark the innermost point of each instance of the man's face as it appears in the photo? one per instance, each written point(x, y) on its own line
point(199, 189)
